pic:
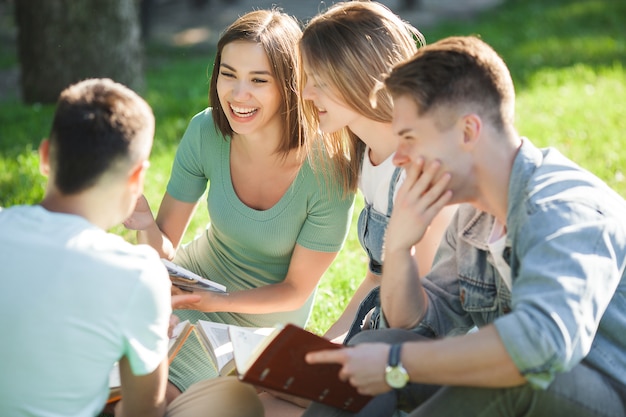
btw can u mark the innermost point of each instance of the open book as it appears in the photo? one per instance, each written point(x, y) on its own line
point(274, 359)
point(180, 333)
point(187, 280)
point(215, 339)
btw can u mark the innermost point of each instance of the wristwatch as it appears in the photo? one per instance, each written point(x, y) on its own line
point(395, 374)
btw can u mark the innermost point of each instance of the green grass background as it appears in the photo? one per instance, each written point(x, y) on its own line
point(567, 58)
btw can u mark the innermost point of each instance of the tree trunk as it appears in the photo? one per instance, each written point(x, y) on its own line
point(61, 42)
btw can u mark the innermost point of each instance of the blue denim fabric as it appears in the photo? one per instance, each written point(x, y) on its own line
point(372, 225)
point(566, 246)
point(371, 231)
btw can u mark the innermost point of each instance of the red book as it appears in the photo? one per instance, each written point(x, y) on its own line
point(277, 362)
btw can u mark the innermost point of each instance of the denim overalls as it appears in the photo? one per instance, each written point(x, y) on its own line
point(371, 230)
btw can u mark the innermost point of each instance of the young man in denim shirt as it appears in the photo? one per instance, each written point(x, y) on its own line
point(524, 310)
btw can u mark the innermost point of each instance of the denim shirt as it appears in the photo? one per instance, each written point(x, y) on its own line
point(566, 246)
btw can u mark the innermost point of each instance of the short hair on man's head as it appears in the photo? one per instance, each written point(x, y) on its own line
point(278, 35)
point(348, 49)
point(99, 126)
point(461, 73)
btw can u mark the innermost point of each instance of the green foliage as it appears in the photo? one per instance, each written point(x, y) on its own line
point(21, 130)
point(567, 58)
point(534, 35)
point(20, 182)
point(341, 280)
point(579, 111)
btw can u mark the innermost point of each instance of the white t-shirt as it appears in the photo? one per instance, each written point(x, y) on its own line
point(497, 244)
point(374, 182)
point(73, 300)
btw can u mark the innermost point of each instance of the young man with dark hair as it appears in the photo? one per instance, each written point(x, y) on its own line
point(75, 299)
point(91, 298)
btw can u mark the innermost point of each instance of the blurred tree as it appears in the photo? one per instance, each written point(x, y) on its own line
point(64, 41)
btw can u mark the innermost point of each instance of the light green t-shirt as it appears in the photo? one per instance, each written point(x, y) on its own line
point(242, 247)
point(74, 300)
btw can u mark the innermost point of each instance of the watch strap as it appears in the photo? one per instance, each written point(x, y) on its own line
point(394, 355)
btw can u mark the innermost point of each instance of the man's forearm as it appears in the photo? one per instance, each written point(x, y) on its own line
point(402, 296)
point(142, 395)
point(153, 236)
point(477, 359)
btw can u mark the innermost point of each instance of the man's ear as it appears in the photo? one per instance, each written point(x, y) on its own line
point(44, 153)
point(137, 175)
point(472, 127)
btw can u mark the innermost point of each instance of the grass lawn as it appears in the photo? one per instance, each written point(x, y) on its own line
point(567, 58)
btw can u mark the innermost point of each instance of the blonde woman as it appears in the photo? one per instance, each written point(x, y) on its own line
point(345, 52)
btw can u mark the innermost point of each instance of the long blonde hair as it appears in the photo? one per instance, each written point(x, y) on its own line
point(351, 47)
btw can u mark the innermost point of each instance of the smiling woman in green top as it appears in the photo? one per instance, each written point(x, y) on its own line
point(276, 224)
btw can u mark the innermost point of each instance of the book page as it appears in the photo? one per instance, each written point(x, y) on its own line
point(186, 279)
point(216, 335)
point(248, 343)
point(179, 336)
point(177, 332)
point(114, 376)
point(217, 339)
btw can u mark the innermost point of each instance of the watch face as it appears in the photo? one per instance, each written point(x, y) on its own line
point(396, 376)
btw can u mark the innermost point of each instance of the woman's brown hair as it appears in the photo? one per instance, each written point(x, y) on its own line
point(278, 35)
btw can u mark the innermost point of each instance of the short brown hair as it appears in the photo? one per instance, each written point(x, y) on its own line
point(458, 72)
point(98, 125)
point(278, 35)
